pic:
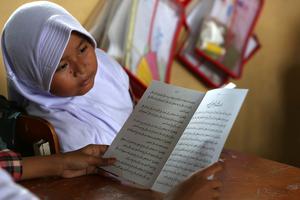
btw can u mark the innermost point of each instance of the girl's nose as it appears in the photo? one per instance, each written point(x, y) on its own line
point(79, 69)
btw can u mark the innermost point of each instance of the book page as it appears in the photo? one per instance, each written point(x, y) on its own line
point(203, 139)
point(149, 135)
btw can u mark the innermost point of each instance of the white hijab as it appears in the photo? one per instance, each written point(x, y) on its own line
point(33, 41)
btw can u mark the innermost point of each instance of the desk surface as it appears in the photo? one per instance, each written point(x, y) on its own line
point(244, 177)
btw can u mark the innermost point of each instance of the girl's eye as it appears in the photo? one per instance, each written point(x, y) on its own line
point(61, 67)
point(83, 49)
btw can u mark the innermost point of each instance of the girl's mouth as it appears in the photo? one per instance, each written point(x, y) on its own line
point(86, 81)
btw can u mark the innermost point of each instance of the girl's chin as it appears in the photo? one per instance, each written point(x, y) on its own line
point(86, 88)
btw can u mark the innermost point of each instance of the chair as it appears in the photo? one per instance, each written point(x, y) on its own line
point(136, 86)
point(30, 130)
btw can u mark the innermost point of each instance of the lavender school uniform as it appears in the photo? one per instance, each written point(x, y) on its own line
point(33, 41)
point(9, 190)
point(104, 109)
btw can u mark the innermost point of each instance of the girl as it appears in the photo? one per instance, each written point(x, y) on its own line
point(56, 72)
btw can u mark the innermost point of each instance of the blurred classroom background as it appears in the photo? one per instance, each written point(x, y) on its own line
point(268, 124)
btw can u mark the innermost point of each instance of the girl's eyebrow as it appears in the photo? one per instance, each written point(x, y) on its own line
point(77, 47)
point(80, 43)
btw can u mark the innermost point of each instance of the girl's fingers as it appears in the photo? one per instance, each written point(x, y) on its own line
point(211, 170)
point(102, 149)
point(215, 184)
point(216, 195)
point(98, 161)
point(107, 161)
point(94, 149)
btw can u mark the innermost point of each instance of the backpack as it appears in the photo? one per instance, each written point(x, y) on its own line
point(9, 113)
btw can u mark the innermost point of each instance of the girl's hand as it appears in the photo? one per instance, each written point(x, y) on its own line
point(84, 161)
point(198, 186)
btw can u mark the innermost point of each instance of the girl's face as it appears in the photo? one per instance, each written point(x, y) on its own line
point(76, 71)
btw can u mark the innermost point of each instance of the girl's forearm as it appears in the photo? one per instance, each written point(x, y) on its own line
point(41, 166)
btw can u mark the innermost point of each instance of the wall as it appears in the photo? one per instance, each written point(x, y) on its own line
point(268, 123)
point(80, 9)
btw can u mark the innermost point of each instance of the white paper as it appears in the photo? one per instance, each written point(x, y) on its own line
point(173, 132)
point(149, 135)
point(203, 139)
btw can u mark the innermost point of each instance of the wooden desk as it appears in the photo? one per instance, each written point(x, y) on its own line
point(245, 177)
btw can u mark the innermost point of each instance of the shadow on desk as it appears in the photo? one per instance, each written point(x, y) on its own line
point(244, 177)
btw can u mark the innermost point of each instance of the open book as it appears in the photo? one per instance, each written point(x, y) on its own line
point(172, 133)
